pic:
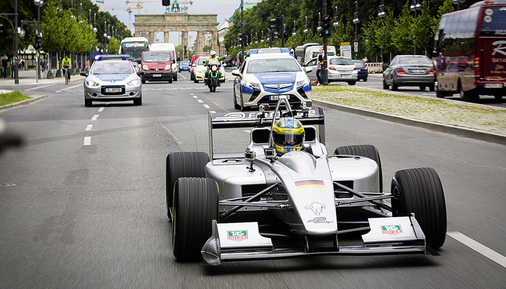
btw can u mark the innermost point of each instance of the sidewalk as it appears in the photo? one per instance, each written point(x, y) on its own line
point(27, 77)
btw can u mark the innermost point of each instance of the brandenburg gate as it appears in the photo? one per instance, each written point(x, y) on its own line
point(179, 22)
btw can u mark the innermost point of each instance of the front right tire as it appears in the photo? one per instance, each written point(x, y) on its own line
point(420, 191)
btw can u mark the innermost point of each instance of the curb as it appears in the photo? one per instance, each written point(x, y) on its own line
point(460, 131)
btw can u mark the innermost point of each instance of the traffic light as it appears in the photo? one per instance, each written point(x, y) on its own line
point(326, 26)
point(165, 2)
point(274, 35)
point(274, 24)
point(37, 41)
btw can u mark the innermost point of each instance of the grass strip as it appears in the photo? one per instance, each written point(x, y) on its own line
point(12, 97)
point(438, 110)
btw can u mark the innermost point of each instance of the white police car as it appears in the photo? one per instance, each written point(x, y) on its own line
point(264, 77)
point(112, 78)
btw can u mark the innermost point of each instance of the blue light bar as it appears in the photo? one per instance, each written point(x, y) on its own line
point(112, 57)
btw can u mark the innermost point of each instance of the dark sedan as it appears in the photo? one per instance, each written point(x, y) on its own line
point(409, 70)
point(363, 73)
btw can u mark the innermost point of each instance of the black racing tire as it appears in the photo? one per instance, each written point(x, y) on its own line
point(420, 191)
point(182, 164)
point(368, 151)
point(195, 207)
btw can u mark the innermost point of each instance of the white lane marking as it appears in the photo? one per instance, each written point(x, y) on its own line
point(181, 75)
point(482, 249)
point(207, 106)
point(94, 117)
point(212, 111)
point(87, 140)
point(101, 109)
point(200, 100)
point(194, 96)
point(70, 87)
point(88, 127)
point(38, 87)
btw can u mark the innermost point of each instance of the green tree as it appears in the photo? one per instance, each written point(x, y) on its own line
point(402, 36)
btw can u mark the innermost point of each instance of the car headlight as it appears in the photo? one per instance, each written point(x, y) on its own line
point(214, 68)
point(92, 83)
point(302, 83)
point(254, 85)
point(167, 67)
point(145, 67)
point(134, 82)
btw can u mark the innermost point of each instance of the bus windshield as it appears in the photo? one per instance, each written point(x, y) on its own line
point(494, 22)
point(134, 49)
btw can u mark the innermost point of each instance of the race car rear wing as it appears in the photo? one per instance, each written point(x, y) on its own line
point(314, 116)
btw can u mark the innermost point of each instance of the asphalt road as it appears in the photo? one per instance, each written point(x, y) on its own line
point(82, 203)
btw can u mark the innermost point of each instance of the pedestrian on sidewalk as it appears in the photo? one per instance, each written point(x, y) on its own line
point(13, 66)
point(42, 66)
point(319, 63)
point(5, 64)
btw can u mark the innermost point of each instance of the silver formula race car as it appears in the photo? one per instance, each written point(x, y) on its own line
point(259, 205)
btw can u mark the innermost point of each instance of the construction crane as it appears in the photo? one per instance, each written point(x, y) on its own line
point(128, 9)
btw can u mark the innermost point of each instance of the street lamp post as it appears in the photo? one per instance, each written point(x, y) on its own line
point(294, 33)
point(415, 6)
point(38, 35)
point(381, 15)
point(356, 21)
point(105, 37)
point(305, 31)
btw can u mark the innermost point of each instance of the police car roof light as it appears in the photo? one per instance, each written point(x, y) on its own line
point(111, 57)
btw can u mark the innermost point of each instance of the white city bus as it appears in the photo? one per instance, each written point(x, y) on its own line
point(134, 46)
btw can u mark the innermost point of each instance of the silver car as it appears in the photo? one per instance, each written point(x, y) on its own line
point(340, 69)
point(112, 78)
point(409, 70)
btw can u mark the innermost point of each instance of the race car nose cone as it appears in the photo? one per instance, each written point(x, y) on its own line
point(210, 252)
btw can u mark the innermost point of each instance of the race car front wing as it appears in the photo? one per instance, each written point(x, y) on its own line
point(242, 241)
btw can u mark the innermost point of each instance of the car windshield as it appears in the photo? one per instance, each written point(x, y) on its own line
point(340, 61)
point(414, 60)
point(156, 57)
point(111, 67)
point(185, 62)
point(201, 60)
point(273, 65)
point(269, 50)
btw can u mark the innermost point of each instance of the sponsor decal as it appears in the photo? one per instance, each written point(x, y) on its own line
point(319, 220)
point(316, 207)
point(309, 183)
point(237, 235)
point(391, 229)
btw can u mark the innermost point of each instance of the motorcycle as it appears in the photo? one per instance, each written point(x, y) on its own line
point(213, 77)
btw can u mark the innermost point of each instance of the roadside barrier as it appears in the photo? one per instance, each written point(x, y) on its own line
point(374, 67)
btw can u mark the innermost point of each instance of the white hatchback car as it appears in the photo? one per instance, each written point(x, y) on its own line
point(264, 77)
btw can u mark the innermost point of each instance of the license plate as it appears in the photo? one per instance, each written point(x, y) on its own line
point(113, 89)
point(493, 85)
point(157, 75)
point(345, 75)
point(417, 70)
point(273, 97)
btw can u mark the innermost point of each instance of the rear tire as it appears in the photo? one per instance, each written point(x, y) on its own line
point(352, 82)
point(195, 207)
point(395, 87)
point(368, 151)
point(420, 191)
point(182, 164)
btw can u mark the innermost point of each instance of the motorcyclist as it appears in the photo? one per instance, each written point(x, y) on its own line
point(288, 135)
point(212, 60)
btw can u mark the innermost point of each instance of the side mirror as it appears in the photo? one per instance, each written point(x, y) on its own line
point(236, 73)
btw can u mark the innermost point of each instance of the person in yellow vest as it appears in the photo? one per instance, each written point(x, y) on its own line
point(66, 64)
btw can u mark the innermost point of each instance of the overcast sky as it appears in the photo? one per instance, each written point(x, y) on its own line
point(224, 9)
